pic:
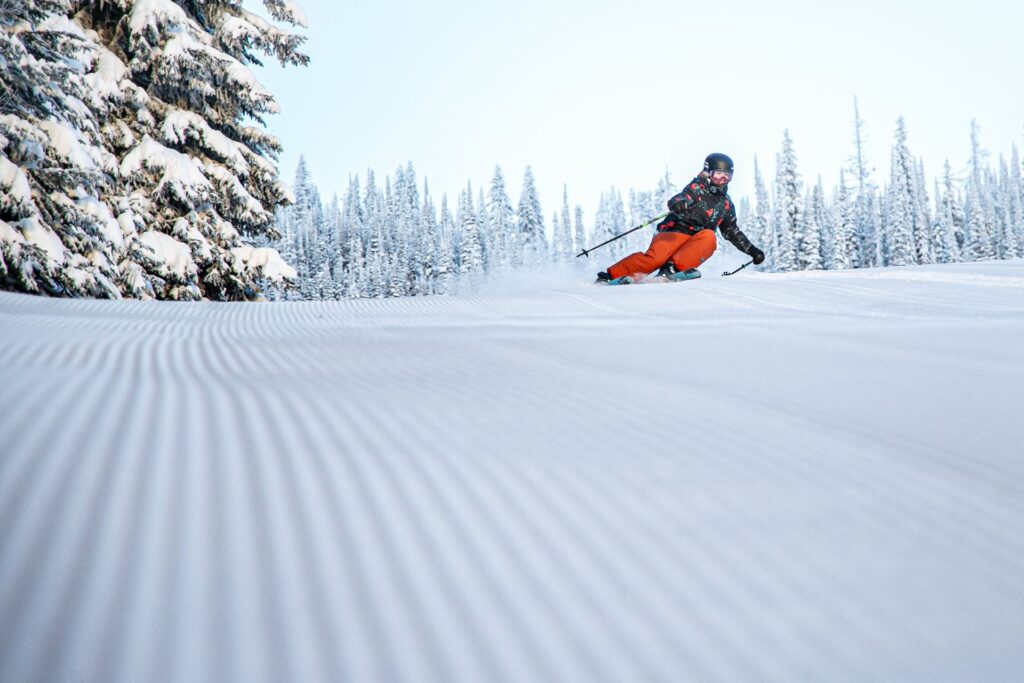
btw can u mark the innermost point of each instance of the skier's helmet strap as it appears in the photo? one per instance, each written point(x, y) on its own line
point(718, 162)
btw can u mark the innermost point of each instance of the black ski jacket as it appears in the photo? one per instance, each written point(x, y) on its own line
point(703, 206)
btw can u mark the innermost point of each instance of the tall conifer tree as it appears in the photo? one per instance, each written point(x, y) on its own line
point(788, 217)
point(901, 203)
point(843, 242)
point(530, 222)
point(809, 252)
point(506, 250)
point(164, 140)
point(761, 223)
point(471, 253)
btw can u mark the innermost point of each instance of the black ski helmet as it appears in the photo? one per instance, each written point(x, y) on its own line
point(717, 162)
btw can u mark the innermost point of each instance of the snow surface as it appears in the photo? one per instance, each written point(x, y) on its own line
point(813, 476)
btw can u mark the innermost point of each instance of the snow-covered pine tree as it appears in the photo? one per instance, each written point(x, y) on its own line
point(872, 238)
point(922, 217)
point(506, 251)
point(354, 285)
point(305, 227)
point(190, 173)
point(943, 244)
point(394, 273)
point(428, 243)
point(351, 237)
point(787, 218)
point(395, 238)
point(958, 219)
point(391, 244)
point(57, 234)
point(979, 154)
point(375, 266)
point(979, 229)
point(618, 223)
point(317, 253)
point(601, 231)
point(530, 223)
point(1016, 202)
point(901, 203)
point(760, 223)
point(638, 205)
point(569, 241)
point(557, 255)
point(989, 190)
point(809, 236)
point(842, 241)
point(579, 230)
point(827, 221)
point(446, 268)
point(288, 217)
point(303, 191)
point(1007, 246)
point(410, 207)
point(332, 224)
point(980, 225)
point(866, 216)
point(481, 221)
point(561, 238)
point(471, 256)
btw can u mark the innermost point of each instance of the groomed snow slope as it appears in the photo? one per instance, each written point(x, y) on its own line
point(812, 476)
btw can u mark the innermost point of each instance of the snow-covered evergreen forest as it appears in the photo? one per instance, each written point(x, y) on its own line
point(134, 162)
point(392, 238)
point(133, 156)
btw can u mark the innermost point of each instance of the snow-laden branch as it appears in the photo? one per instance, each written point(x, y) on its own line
point(180, 175)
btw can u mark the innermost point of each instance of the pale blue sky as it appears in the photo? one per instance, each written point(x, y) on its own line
point(602, 93)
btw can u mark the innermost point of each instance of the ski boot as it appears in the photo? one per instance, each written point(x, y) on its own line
point(670, 272)
point(604, 278)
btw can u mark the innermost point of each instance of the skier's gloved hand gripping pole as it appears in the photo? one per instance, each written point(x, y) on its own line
point(586, 252)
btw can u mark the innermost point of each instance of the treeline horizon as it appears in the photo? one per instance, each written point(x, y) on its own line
point(392, 239)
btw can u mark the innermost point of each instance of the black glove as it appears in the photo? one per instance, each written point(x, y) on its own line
point(757, 255)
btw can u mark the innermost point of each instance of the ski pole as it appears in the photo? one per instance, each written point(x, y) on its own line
point(586, 252)
point(738, 269)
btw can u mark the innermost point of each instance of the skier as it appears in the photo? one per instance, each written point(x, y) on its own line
point(686, 238)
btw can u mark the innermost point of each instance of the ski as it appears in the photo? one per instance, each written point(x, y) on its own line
point(624, 280)
point(682, 276)
point(688, 274)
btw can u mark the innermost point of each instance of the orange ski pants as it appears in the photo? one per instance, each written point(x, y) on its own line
point(685, 251)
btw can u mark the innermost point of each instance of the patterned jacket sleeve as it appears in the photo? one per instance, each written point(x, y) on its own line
point(731, 231)
point(688, 197)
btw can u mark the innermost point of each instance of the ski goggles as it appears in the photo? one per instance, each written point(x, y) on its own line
point(721, 175)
